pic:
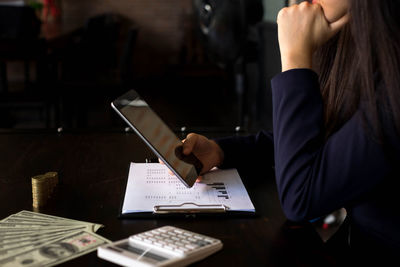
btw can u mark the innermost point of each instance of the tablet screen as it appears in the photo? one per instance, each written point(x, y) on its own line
point(158, 136)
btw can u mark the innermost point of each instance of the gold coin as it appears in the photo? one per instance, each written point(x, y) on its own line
point(42, 188)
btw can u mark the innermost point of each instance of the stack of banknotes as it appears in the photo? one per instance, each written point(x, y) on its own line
point(36, 239)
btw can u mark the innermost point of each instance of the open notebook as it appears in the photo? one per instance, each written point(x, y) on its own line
point(151, 188)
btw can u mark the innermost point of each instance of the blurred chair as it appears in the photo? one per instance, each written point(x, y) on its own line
point(20, 42)
point(96, 67)
point(126, 59)
point(19, 31)
point(228, 29)
point(269, 64)
point(94, 50)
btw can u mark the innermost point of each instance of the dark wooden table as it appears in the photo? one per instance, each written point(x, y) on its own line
point(93, 169)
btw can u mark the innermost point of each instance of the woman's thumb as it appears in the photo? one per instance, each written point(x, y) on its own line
point(189, 143)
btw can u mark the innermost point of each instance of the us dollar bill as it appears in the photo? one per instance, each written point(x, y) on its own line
point(35, 215)
point(7, 238)
point(23, 218)
point(32, 222)
point(25, 227)
point(11, 249)
point(40, 216)
point(20, 224)
point(20, 231)
point(56, 251)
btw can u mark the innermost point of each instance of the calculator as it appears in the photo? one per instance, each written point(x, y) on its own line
point(164, 246)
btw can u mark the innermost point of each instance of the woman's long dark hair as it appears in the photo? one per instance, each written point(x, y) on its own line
point(361, 66)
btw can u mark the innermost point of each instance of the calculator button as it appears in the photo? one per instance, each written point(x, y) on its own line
point(190, 246)
point(169, 247)
point(202, 243)
point(181, 250)
point(148, 241)
point(137, 237)
point(180, 244)
point(169, 241)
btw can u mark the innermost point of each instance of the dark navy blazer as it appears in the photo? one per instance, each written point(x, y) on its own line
point(316, 176)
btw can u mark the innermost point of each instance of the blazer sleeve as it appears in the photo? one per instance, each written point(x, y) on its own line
point(248, 152)
point(316, 176)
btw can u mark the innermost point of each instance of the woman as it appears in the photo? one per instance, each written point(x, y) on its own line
point(335, 140)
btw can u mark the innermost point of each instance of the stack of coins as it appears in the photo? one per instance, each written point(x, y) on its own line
point(43, 186)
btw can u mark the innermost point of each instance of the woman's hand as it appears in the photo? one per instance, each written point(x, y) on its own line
point(207, 151)
point(302, 29)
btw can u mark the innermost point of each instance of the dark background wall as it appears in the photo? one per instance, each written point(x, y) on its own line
point(168, 64)
point(161, 24)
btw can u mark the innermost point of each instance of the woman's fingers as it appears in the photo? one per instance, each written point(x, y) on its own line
point(302, 29)
point(189, 143)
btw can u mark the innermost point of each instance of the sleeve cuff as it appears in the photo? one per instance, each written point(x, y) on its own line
point(292, 78)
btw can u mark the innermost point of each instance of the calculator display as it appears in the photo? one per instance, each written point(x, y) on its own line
point(144, 256)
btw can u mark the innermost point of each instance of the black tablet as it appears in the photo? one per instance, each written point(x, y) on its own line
point(158, 136)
